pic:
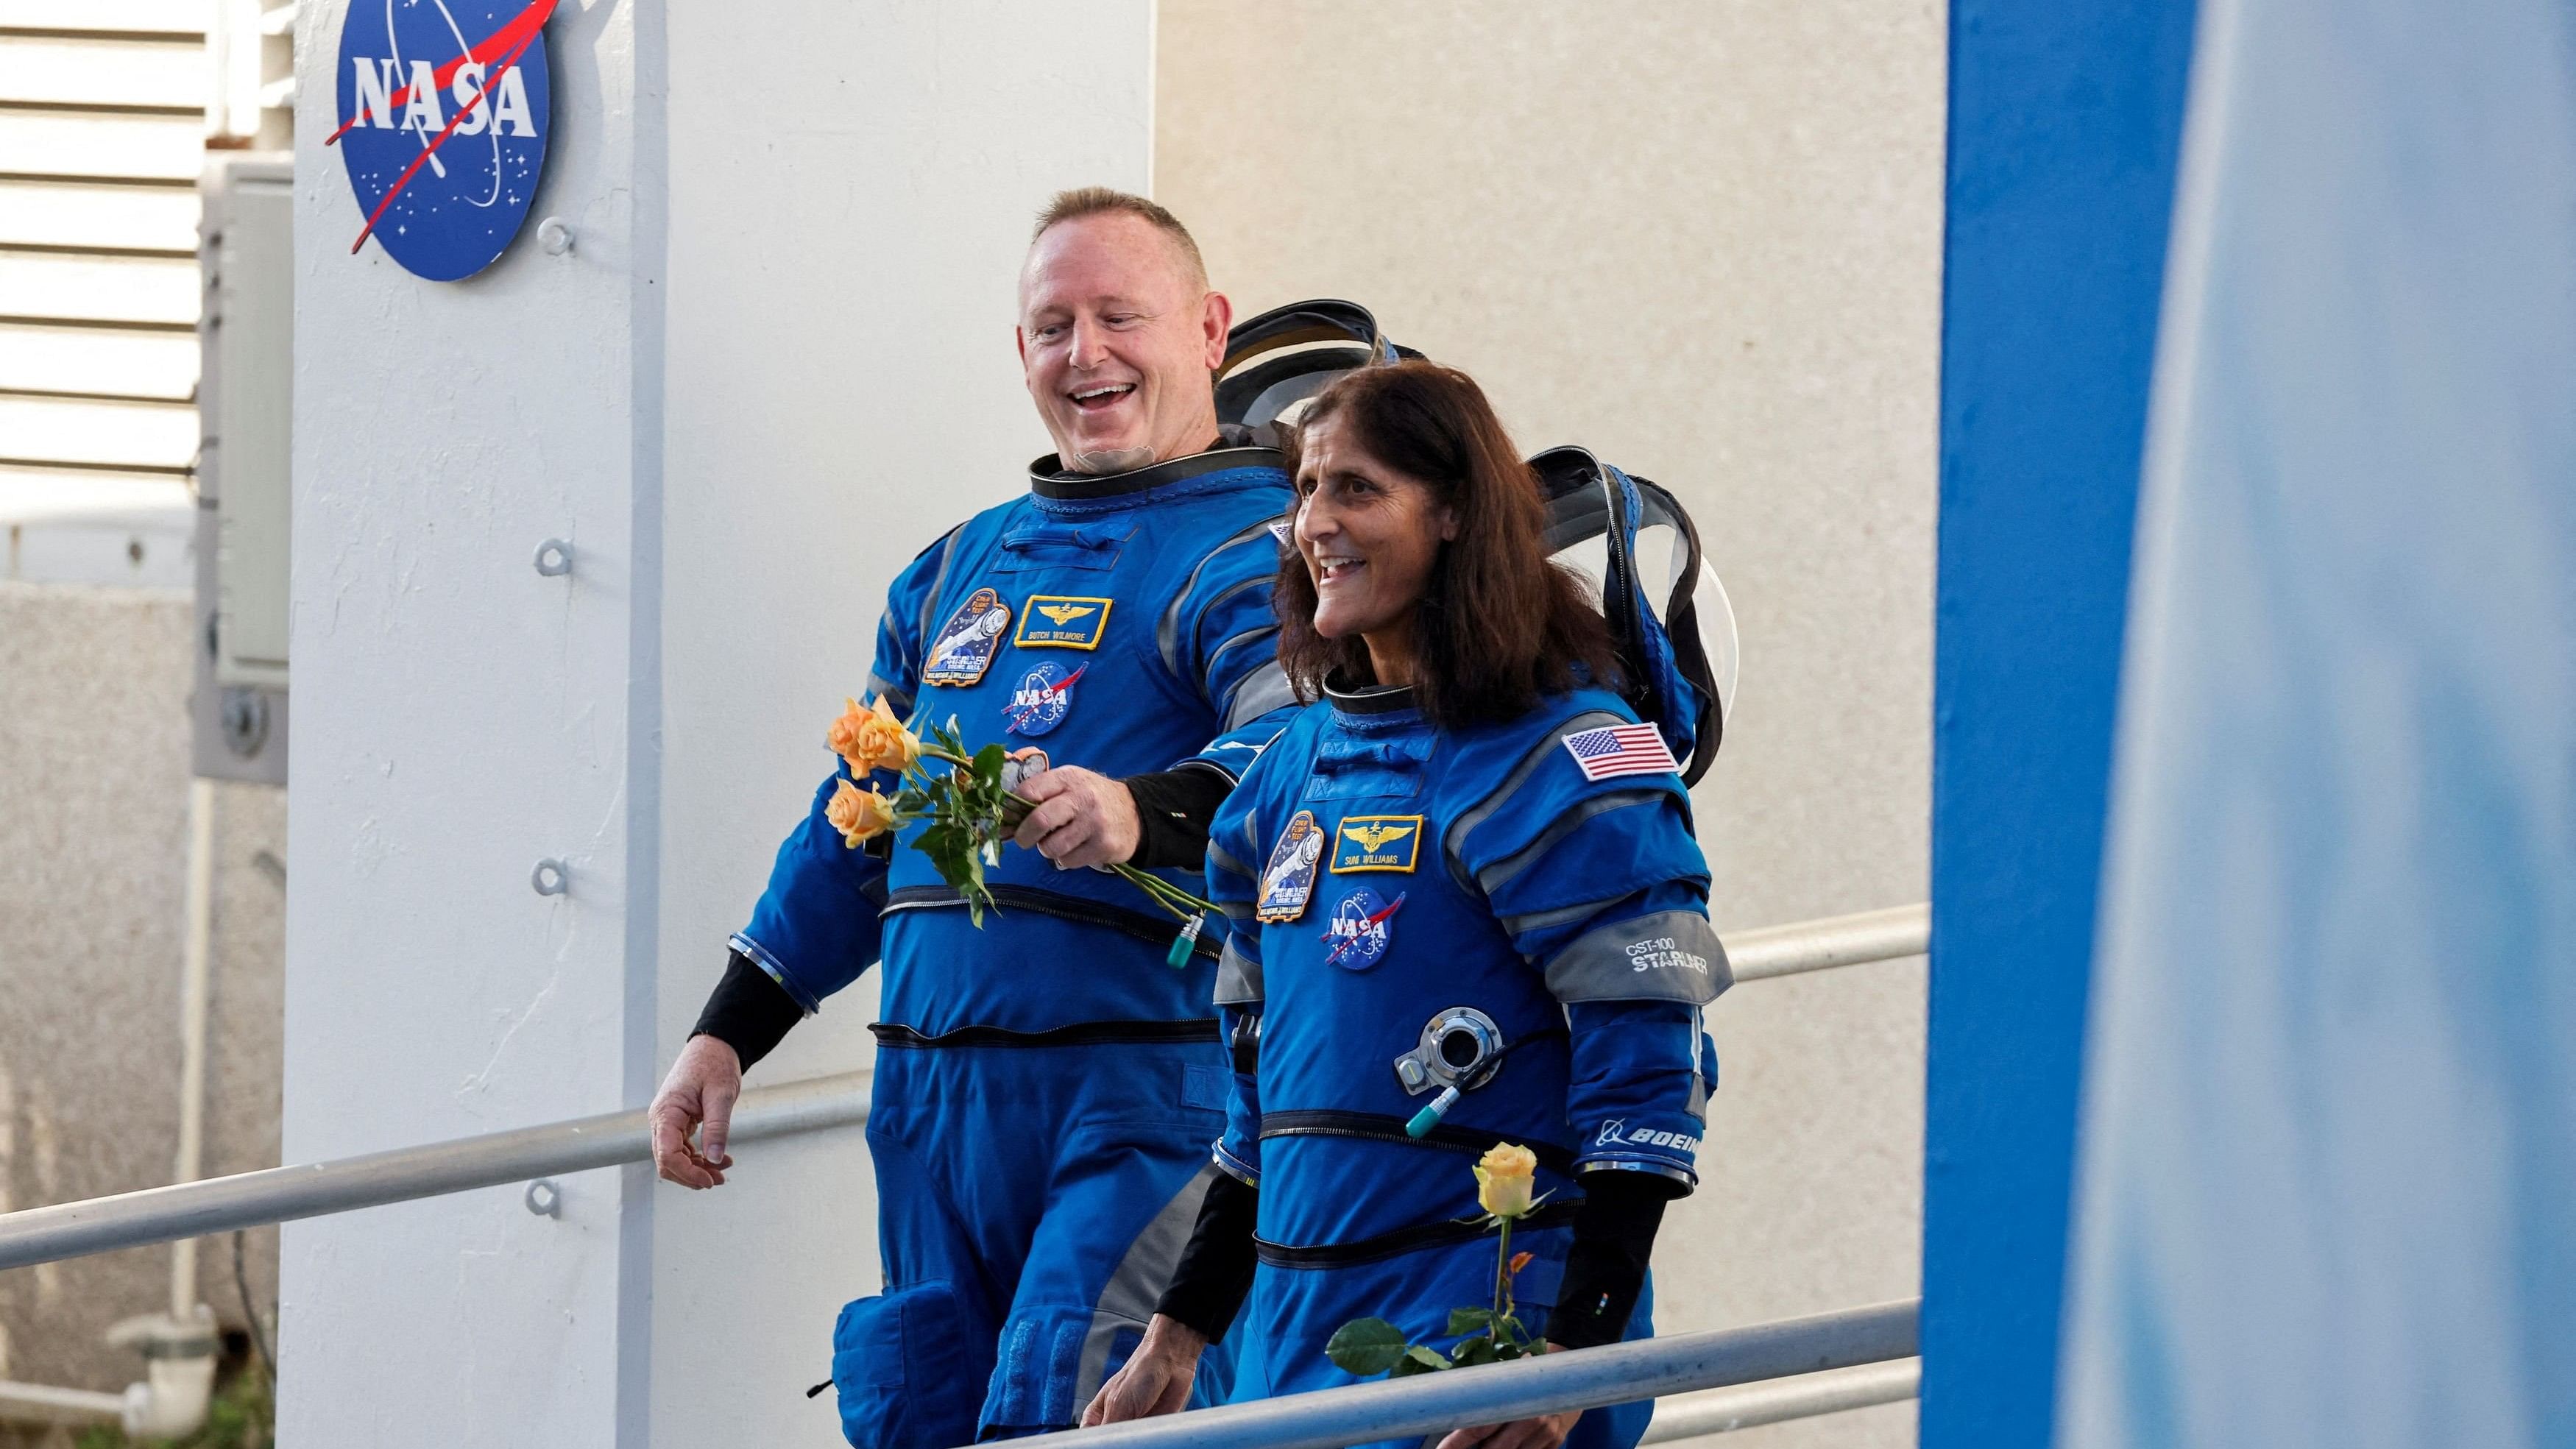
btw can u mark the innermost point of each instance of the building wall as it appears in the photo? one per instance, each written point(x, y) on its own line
point(1705, 240)
point(93, 863)
point(842, 391)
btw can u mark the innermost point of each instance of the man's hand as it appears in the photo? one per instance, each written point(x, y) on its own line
point(1156, 1379)
point(1082, 818)
point(701, 1088)
point(1544, 1432)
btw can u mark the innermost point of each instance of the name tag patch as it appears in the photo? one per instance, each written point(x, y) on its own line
point(1042, 700)
point(964, 646)
point(1062, 621)
point(1288, 881)
point(1376, 842)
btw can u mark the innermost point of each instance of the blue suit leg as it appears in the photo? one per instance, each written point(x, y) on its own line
point(1122, 1196)
point(911, 1362)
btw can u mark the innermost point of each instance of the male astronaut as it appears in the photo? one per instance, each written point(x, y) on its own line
point(1046, 1086)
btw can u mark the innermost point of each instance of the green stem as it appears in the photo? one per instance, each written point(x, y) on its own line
point(1503, 1280)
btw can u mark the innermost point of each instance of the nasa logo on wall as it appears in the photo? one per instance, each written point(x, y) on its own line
point(445, 107)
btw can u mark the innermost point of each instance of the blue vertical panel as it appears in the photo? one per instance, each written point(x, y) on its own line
point(2064, 123)
point(2329, 1167)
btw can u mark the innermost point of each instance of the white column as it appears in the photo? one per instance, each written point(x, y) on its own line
point(776, 363)
point(848, 214)
point(458, 719)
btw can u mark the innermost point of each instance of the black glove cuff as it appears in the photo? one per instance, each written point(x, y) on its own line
point(748, 1011)
point(1173, 811)
point(1605, 1270)
point(1215, 1272)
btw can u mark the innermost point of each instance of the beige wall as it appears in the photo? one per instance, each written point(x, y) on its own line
point(93, 861)
point(1703, 238)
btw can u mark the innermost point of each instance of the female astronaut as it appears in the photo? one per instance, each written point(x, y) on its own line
point(1465, 908)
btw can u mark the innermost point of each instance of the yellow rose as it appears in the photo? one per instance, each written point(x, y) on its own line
point(1504, 1179)
point(860, 815)
point(872, 737)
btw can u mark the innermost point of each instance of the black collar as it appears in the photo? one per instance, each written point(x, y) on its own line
point(1370, 699)
point(1049, 479)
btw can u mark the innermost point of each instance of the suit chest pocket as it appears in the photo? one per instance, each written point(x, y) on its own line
point(1089, 547)
point(1351, 769)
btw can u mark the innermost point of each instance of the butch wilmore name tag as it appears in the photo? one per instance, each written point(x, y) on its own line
point(1062, 621)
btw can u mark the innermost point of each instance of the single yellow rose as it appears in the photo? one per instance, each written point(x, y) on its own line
point(860, 815)
point(1504, 1179)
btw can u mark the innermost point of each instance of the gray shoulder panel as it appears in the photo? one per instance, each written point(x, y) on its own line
point(1238, 977)
point(1667, 956)
point(1167, 630)
point(1258, 693)
point(930, 601)
point(1494, 877)
point(1484, 810)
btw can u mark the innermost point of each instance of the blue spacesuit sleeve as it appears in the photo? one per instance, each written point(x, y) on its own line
point(817, 925)
point(1603, 888)
point(1234, 884)
point(1218, 637)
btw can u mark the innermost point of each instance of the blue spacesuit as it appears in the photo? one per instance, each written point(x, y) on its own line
point(1504, 924)
point(1046, 1085)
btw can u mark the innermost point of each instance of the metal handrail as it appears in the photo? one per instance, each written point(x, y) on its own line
point(1749, 1406)
point(1588, 1378)
point(282, 1194)
point(1887, 935)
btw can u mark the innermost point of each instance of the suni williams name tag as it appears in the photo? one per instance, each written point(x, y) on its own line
point(1376, 842)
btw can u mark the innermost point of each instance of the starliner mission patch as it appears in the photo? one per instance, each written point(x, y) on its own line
point(968, 641)
point(1288, 881)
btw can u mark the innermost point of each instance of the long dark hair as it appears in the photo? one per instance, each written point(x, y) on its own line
point(1500, 625)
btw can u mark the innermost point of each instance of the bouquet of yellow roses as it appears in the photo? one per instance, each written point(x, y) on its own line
point(970, 805)
point(1367, 1346)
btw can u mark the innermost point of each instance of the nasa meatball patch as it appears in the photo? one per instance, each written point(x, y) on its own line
point(965, 645)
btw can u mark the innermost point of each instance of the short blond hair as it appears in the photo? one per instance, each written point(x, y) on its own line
point(1082, 201)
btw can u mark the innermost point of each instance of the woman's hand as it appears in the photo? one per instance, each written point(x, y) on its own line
point(1544, 1432)
point(1157, 1377)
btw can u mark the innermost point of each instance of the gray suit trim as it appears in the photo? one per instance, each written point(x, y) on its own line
point(1258, 693)
point(1667, 956)
point(1485, 809)
point(1562, 915)
point(1238, 977)
point(930, 603)
point(1494, 877)
point(1167, 630)
point(1127, 1300)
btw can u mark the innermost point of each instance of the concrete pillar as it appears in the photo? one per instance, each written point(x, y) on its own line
point(774, 363)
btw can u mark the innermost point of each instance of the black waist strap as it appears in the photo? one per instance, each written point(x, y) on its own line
point(1447, 1136)
point(1555, 1214)
point(1144, 926)
point(1081, 1033)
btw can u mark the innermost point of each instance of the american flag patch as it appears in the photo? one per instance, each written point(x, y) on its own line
point(1615, 750)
